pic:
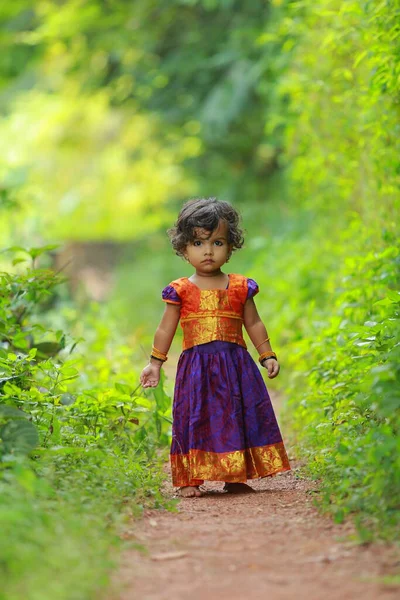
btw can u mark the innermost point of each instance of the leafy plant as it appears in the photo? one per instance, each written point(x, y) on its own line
point(77, 437)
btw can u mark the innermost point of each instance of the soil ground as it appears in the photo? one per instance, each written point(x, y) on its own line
point(272, 544)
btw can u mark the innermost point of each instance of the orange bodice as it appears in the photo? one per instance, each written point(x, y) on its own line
point(209, 315)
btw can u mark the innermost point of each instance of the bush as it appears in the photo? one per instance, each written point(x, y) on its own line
point(81, 447)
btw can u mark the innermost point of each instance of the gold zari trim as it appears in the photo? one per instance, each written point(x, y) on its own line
point(208, 316)
point(209, 328)
point(233, 467)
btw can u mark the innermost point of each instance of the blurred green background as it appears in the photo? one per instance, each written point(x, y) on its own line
point(113, 113)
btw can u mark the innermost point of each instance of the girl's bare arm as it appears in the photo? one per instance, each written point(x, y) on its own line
point(258, 333)
point(164, 335)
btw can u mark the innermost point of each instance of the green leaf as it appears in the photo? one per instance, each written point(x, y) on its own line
point(46, 349)
point(67, 399)
point(16, 249)
point(141, 401)
point(359, 58)
point(16, 261)
point(69, 371)
point(383, 302)
point(11, 412)
point(19, 436)
point(123, 388)
point(35, 252)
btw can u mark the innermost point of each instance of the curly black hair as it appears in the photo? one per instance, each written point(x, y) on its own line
point(205, 213)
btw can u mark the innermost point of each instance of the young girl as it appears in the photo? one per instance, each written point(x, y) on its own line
point(224, 427)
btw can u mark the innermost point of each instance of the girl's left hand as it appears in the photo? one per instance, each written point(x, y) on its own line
point(272, 367)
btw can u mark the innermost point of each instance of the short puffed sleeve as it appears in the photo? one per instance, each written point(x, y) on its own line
point(252, 288)
point(170, 295)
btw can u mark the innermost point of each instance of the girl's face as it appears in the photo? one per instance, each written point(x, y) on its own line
point(209, 251)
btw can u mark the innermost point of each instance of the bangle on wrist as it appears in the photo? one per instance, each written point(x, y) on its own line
point(263, 342)
point(268, 358)
point(265, 355)
point(158, 355)
point(157, 359)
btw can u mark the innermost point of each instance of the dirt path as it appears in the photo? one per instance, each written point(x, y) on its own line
point(271, 545)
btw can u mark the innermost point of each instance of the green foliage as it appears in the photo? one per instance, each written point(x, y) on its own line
point(346, 404)
point(337, 306)
point(288, 108)
point(68, 522)
point(41, 378)
point(129, 90)
point(43, 536)
point(340, 105)
point(77, 438)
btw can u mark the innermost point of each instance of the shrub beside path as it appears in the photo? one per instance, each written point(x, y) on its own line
point(270, 544)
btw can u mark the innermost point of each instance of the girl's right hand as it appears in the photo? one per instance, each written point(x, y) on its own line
point(150, 376)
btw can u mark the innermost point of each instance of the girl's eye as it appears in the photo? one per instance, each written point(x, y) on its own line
point(219, 243)
point(197, 243)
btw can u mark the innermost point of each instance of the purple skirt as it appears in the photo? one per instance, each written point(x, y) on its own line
point(224, 426)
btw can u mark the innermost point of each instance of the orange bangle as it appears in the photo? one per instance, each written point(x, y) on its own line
point(158, 354)
point(267, 340)
point(265, 355)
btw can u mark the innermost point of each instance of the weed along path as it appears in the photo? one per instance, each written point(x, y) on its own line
point(272, 544)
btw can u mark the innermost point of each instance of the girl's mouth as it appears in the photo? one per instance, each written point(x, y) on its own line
point(208, 260)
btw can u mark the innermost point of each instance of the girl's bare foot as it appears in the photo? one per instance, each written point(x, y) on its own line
point(238, 488)
point(190, 491)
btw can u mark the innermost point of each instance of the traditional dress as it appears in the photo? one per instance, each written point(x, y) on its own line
point(224, 426)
